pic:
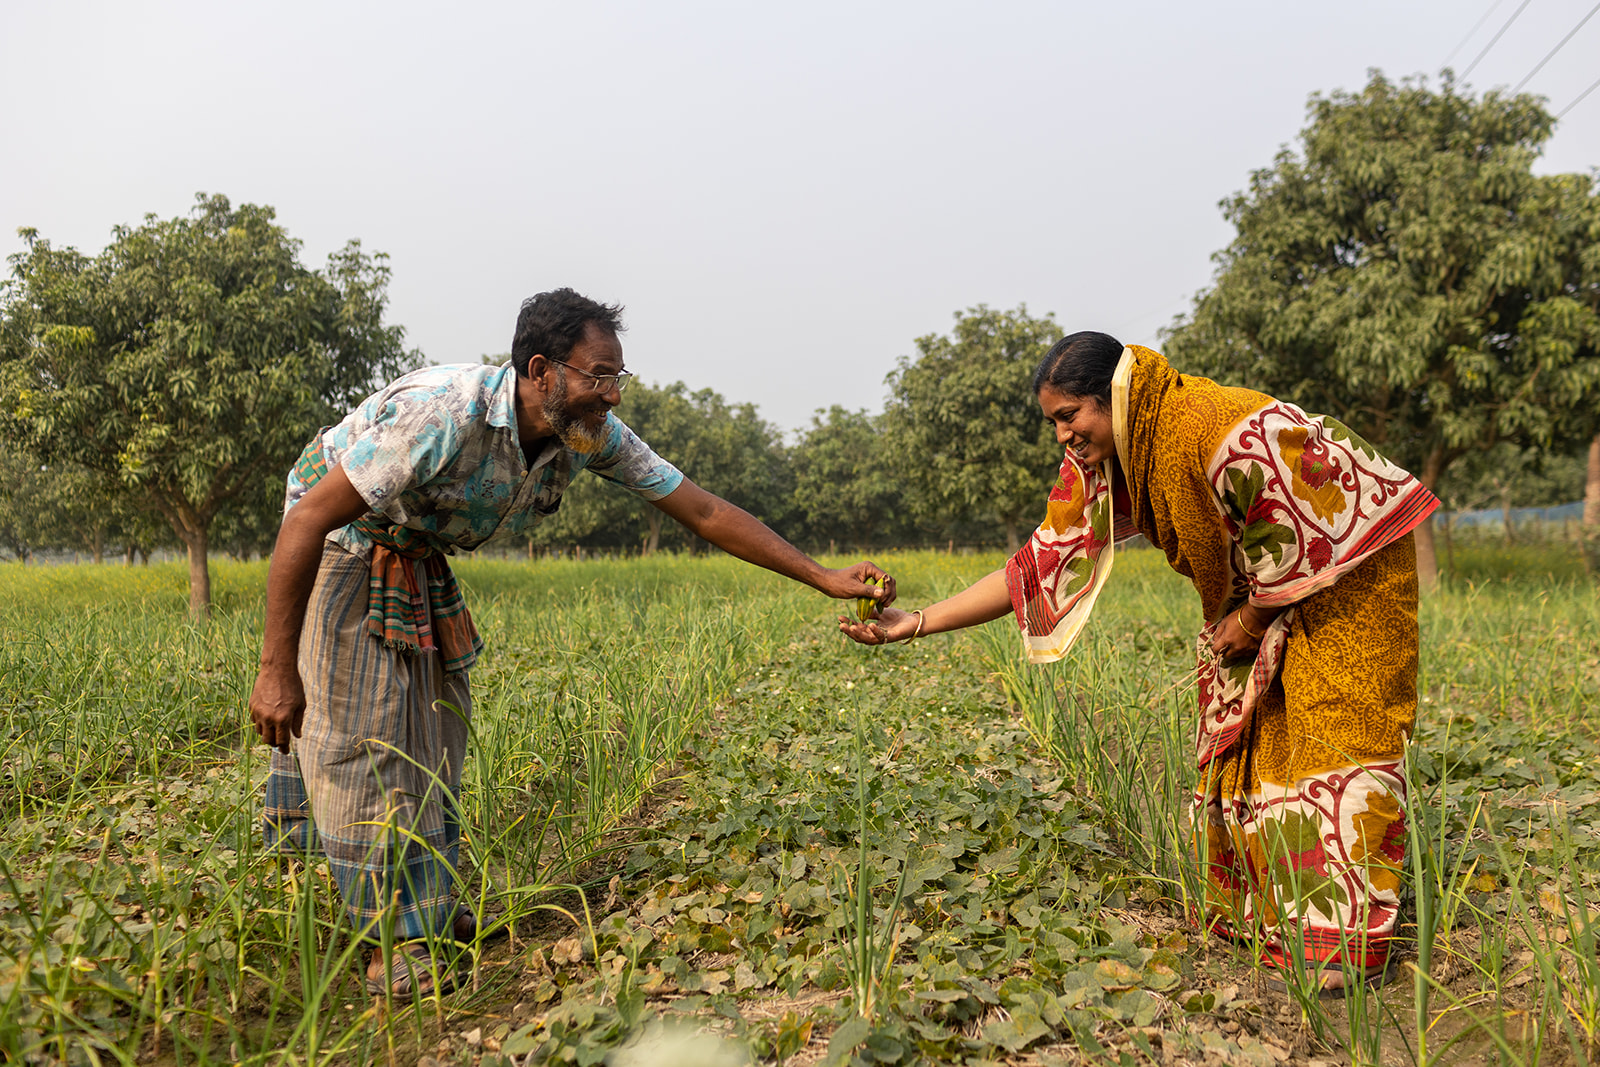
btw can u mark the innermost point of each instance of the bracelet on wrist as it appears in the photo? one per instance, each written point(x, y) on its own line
point(918, 631)
point(1239, 615)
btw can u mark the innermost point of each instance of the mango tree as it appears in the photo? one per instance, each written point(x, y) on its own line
point(963, 428)
point(1407, 272)
point(844, 485)
point(189, 360)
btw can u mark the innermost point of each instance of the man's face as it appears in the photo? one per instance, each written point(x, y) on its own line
point(573, 407)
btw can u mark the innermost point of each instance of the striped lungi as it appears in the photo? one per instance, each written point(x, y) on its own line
point(374, 778)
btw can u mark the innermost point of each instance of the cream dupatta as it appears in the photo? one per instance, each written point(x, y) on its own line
point(1055, 579)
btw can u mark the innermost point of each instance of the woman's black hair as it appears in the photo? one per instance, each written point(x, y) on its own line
point(1080, 364)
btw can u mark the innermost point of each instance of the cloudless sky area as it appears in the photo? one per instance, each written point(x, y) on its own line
point(784, 196)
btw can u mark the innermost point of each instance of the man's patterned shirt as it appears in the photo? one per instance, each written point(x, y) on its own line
point(436, 451)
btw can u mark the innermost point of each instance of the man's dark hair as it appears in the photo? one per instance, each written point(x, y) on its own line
point(549, 324)
point(1080, 364)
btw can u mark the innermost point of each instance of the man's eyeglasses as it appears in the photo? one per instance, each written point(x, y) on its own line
point(602, 382)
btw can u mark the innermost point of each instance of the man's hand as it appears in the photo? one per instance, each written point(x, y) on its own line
point(983, 601)
point(278, 706)
point(851, 583)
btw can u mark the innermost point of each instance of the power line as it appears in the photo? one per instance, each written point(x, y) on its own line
point(1557, 48)
point(1149, 314)
point(1578, 101)
point(1498, 34)
point(1478, 26)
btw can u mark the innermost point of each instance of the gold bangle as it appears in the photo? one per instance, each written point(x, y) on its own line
point(1239, 616)
point(918, 631)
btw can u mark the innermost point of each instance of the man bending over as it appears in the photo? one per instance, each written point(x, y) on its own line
point(363, 686)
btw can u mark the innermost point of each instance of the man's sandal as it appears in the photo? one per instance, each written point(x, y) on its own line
point(464, 927)
point(412, 970)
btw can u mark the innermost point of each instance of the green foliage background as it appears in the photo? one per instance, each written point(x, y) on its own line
point(1402, 268)
point(188, 362)
point(1407, 272)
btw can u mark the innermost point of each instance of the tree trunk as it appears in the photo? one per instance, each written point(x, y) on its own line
point(1012, 543)
point(193, 527)
point(199, 574)
point(127, 556)
point(99, 544)
point(1504, 489)
point(654, 541)
point(1591, 487)
point(1427, 560)
point(1449, 543)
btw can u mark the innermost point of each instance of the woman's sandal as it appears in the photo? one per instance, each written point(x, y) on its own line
point(413, 969)
point(1331, 980)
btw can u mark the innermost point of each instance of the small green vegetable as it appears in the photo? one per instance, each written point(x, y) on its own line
point(866, 606)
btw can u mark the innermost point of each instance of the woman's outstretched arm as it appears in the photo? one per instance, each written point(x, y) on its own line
point(983, 601)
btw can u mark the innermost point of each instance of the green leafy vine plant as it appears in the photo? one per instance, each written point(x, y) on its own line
point(870, 945)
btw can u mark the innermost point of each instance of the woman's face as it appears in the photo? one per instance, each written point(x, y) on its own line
point(1082, 424)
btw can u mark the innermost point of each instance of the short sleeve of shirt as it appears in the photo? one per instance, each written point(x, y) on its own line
point(630, 463)
point(404, 446)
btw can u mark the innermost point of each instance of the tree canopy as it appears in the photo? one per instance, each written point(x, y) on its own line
point(67, 507)
point(844, 484)
point(191, 359)
point(1407, 272)
point(964, 428)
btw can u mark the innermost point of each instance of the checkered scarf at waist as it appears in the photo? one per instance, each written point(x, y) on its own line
point(397, 613)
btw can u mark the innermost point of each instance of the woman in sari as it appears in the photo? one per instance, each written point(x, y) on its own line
point(1297, 536)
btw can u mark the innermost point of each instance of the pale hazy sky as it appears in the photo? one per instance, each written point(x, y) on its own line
point(784, 196)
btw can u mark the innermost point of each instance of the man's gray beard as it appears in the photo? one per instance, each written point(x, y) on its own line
point(571, 432)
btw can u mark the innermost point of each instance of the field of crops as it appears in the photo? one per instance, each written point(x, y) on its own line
point(721, 835)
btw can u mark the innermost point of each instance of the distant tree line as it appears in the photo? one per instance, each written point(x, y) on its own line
point(960, 455)
point(1405, 271)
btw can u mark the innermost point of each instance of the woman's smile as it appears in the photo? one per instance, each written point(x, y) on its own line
point(1081, 423)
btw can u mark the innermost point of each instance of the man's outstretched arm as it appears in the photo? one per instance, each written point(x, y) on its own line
point(278, 699)
point(741, 534)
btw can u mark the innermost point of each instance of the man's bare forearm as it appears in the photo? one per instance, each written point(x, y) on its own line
point(742, 535)
point(331, 503)
point(277, 700)
point(290, 578)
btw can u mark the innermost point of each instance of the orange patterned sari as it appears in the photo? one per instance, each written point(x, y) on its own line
point(1299, 807)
